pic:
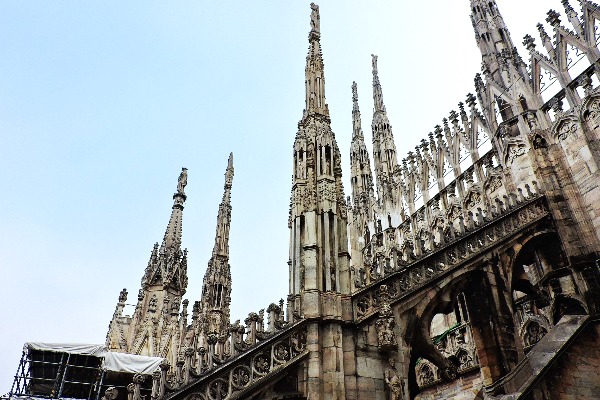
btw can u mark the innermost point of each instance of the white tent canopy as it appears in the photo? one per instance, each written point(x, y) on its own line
point(111, 361)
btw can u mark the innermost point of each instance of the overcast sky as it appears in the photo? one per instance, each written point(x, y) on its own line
point(102, 103)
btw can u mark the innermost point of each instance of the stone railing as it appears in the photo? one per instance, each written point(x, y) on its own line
point(472, 238)
point(241, 373)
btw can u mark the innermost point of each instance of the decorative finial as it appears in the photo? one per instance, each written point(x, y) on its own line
point(315, 19)
point(354, 93)
point(182, 182)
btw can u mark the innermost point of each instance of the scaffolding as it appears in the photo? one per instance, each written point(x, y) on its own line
point(61, 371)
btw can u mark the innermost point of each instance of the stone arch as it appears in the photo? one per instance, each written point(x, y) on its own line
point(566, 305)
point(522, 251)
point(590, 109)
point(417, 335)
point(537, 257)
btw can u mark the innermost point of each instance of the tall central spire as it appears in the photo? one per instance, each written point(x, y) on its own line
point(315, 77)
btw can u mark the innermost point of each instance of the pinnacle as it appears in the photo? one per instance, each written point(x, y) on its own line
point(377, 92)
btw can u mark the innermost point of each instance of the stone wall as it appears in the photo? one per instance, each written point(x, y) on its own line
point(576, 374)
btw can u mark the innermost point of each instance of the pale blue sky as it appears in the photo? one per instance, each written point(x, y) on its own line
point(102, 103)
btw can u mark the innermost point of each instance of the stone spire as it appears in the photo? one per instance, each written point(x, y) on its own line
point(221, 247)
point(318, 200)
point(377, 92)
point(360, 164)
point(384, 147)
point(500, 60)
point(166, 261)
point(319, 260)
point(151, 329)
point(314, 72)
point(172, 238)
point(216, 287)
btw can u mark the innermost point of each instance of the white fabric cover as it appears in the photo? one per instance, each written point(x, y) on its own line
point(123, 362)
point(76, 348)
point(111, 361)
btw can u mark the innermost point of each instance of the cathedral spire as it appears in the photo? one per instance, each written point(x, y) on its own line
point(384, 148)
point(497, 48)
point(169, 257)
point(224, 216)
point(158, 302)
point(315, 78)
point(360, 164)
point(377, 92)
point(216, 291)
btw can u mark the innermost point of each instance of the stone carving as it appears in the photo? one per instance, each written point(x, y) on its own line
point(386, 338)
point(315, 19)
point(182, 181)
point(425, 374)
point(568, 128)
point(534, 333)
point(419, 273)
point(393, 381)
point(153, 304)
point(514, 149)
point(111, 393)
point(123, 296)
point(539, 142)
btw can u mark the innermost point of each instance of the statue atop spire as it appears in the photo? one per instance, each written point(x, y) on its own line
point(182, 181)
point(315, 19)
point(229, 173)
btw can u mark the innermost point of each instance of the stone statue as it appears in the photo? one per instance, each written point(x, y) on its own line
point(111, 393)
point(315, 19)
point(392, 380)
point(385, 323)
point(182, 182)
point(374, 63)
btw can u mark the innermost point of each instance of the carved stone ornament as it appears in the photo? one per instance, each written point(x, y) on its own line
point(182, 182)
point(393, 382)
point(514, 149)
point(568, 128)
point(592, 111)
point(425, 374)
point(385, 323)
point(111, 393)
point(473, 198)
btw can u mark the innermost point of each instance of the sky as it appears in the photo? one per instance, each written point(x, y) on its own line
point(103, 103)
